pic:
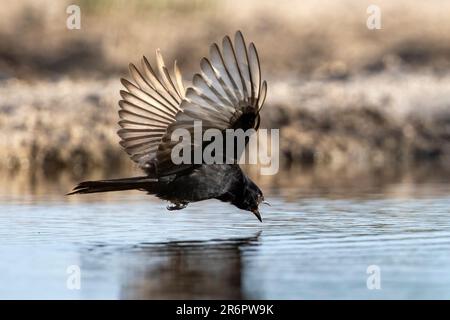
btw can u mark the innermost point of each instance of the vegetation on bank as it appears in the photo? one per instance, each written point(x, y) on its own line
point(345, 97)
point(376, 121)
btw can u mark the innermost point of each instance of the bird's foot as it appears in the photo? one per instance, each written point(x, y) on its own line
point(177, 206)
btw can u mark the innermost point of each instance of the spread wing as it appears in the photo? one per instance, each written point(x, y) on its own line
point(228, 94)
point(147, 108)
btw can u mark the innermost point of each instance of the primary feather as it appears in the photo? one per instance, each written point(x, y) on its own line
point(147, 108)
point(227, 94)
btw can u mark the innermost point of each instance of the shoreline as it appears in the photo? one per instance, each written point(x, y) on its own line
point(370, 121)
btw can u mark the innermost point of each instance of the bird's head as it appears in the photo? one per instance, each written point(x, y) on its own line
point(250, 198)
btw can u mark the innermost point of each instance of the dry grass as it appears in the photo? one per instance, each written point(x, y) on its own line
point(56, 125)
point(376, 121)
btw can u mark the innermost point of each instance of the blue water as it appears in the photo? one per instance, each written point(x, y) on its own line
point(309, 246)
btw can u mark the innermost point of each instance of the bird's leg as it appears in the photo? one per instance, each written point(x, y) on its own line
point(177, 206)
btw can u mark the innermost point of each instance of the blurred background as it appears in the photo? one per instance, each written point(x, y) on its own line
point(341, 93)
point(364, 119)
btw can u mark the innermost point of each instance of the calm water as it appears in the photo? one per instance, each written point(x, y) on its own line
point(311, 245)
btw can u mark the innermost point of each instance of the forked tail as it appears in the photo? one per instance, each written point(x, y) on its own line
point(114, 185)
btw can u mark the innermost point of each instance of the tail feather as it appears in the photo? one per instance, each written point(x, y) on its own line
point(113, 185)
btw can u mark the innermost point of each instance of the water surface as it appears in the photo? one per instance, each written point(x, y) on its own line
point(312, 244)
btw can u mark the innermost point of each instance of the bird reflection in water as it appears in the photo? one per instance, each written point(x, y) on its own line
point(178, 270)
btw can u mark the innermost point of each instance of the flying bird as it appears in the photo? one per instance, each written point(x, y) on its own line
point(228, 93)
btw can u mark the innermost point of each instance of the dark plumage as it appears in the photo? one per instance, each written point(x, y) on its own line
point(227, 94)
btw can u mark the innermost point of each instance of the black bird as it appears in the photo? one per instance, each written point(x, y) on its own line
point(227, 94)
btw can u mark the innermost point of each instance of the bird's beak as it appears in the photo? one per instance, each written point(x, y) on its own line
point(257, 214)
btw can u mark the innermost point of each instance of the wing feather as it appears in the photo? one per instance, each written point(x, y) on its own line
point(216, 80)
point(231, 65)
point(243, 63)
point(167, 81)
point(228, 87)
point(255, 69)
point(179, 80)
point(148, 107)
point(262, 96)
point(159, 88)
point(218, 63)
